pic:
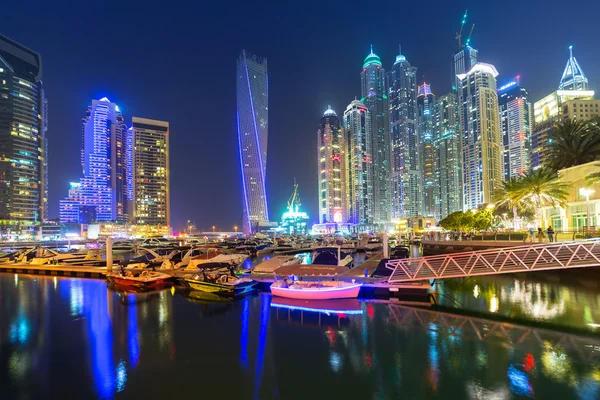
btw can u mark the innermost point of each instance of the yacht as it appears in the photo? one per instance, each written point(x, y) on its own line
point(332, 256)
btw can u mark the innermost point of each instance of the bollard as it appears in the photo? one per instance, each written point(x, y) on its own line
point(109, 255)
point(386, 247)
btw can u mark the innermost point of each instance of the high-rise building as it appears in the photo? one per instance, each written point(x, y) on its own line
point(479, 120)
point(357, 124)
point(406, 177)
point(374, 96)
point(252, 94)
point(515, 120)
point(150, 172)
point(332, 159)
point(448, 154)
point(462, 62)
point(547, 111)
point(425, 133)
point(23, 143)
point(103, 188)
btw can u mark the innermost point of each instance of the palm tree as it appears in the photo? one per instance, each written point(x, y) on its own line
point(573, 142)
point(540, 188)
point(508, 195)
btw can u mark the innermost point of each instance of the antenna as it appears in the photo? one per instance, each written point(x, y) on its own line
point(400, 49)
point(462, 25)
point(471, 33)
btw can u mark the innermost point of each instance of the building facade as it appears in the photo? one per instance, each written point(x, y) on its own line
point(103, 188)
point(462, 62)
point(150, 174)
point(374, 96)
point(425, 133)
point(357, 126)
point(481, 140)
point(448, 154)
point(23, 142)
point(406, 176)
point(515, 120)
point(252, 95)
point(332, 169)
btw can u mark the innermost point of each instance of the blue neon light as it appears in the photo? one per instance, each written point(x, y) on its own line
point(262, 343)
point(133, 333)
point(237, 115)
point(244, 335)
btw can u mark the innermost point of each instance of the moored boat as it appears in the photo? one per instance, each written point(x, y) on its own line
point(144, 279)
point(324, 290)
point(219, 281)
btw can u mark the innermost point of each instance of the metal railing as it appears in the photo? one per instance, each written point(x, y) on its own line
point(480, 329)
point(510, 237)
point(537, 257)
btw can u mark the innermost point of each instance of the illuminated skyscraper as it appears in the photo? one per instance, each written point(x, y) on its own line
point(448, 154)
point(515, 120)
point(252, 126)
point(23, 144)
point(462, 62)
point(150, 172)
point(547, 111)
point(406, 175)
point(481, 138)
point(103, 188)
point(425, 104)
point(374, 96)
point(357, 124)
point(332, 159)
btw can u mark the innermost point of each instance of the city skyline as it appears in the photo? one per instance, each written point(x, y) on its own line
point(540, 72)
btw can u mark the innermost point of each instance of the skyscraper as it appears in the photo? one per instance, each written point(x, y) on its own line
point(252, 94)
point(374, 96)
point(425, 133)
point(462, 62)
point(102, 192)
point(515, 120)
point(547, 111)
point(332, 159)
point(406, 176)
point(448, 154)
point(357, 124)
point(150, 172)
point(481, 139)
point(23, 143)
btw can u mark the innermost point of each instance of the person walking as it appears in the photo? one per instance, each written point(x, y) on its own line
point(550, 232)
point(531, 234)
point(540, 235)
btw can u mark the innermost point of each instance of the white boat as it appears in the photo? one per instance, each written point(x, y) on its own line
point(272, 264)
point(331, 256)
point(48, 256)
point(324, 290)
point(231, 259)
point(374, 245)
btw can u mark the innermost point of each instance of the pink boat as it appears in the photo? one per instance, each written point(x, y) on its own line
point(324, 290)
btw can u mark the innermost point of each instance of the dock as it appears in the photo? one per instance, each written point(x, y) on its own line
point(56, 270)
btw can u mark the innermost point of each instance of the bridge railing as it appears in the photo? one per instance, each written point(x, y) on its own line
point(537, 257)
point(511, 236)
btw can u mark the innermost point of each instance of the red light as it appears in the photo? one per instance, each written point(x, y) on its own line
point(336, 158)
point(370, 311)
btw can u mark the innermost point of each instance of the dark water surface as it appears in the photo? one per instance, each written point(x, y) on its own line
point(66, 338)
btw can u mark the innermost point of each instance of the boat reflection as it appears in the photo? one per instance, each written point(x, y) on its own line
point(315, 312)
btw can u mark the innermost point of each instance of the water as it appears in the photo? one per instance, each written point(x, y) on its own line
point(75, 338)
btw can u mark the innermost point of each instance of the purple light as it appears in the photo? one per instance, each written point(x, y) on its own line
point(237, 115)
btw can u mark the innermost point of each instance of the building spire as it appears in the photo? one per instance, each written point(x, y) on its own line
point(573, 77)
point(372, 50)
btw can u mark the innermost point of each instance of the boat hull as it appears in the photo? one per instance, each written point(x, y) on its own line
point(348, 292)
point(210, 287)
point(161, 282)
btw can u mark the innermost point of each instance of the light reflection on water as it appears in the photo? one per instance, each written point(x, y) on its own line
point(144, 345)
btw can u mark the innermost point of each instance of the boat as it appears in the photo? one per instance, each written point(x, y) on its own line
point(215, 256)
point(145, 279)
point(331, 256)
point(220, 281)
point(374, 244)
point(45, 256)
point(322, 290)
point(272, 264)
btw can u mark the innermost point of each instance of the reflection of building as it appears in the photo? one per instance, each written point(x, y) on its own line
point(428, 160)
point(515, 117)
point(293, 221)
point(574, 216)
point(480, 130)
point(449, 156)
point(406, 177)
point(23, 145)
point(547, 111)
point(252, 93)
point(357, 124)
point(333, 203)
point(103, 187)
point(374, 96)
point(150, 172)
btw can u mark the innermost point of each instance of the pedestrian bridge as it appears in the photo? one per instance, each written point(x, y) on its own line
point(538, 257)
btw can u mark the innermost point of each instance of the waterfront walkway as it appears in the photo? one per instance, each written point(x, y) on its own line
point(534, 257)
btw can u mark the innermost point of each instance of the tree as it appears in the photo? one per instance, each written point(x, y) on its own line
point(540, 188)
point(573, 142)
point(482, 219)
point(457, 221)
point(507, 196)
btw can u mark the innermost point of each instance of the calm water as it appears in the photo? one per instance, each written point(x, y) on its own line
point(74, 338)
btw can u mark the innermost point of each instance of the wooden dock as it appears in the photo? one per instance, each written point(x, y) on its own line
point(55, 270)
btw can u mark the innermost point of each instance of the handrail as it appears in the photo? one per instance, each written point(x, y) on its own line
point(537, 257)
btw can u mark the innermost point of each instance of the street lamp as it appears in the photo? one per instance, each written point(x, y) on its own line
point(235, 228)
point(587, 192)
point(213, 228)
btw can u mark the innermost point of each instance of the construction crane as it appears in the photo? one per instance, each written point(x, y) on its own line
point(470, 34)
point(462, 25)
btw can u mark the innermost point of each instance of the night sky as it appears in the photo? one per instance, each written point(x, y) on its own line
point(177, 63)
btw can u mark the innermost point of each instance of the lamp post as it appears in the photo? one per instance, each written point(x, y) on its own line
point(235, 228)
point(213, 228)
point(587, 192)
